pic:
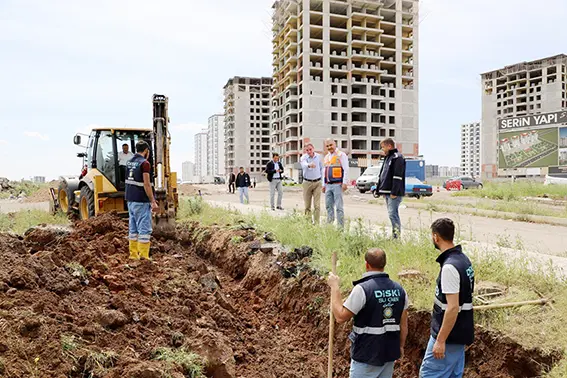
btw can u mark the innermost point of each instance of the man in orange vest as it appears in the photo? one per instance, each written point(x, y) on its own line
point(336, 179)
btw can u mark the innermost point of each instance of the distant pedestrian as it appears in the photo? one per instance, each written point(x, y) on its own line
point(243, 183)
point(380, 328)
point(452, 321)
point(231, 181)
point(274, 173)
point(313, 173)
point(254, 183)
point(392, 183)
point(336, 180)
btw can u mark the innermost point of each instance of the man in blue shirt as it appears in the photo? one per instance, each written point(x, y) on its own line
point(313, 173)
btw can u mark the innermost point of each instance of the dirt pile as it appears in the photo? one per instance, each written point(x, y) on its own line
point(73, 305)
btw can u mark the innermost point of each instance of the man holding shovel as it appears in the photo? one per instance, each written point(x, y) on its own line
point(379, 307)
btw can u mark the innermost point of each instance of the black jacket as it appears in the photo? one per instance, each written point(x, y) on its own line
point(243, 180)
point(232, 178)
point(271, 170)
point(392, 179)
point(463, 330)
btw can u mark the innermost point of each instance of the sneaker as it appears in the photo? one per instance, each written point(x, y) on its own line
point(273, 209)
point(280, 208)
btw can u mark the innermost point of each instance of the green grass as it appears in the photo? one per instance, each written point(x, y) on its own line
point(523, 276)
point(515, 191)
point(21, 221)
point(191, 363)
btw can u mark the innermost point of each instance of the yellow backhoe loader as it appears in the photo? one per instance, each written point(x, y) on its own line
point(101, 185)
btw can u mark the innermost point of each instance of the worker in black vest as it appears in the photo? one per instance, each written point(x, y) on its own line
point(379, 307)
point(141, 202)
point(452, 323)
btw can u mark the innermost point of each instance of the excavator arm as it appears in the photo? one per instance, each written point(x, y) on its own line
point(165, 181)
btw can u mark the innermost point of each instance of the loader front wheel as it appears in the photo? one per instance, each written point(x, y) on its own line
point(65, 197)
point(86, 203)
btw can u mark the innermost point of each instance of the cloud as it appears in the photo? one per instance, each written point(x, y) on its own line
point(2, 141)
point(35, 134)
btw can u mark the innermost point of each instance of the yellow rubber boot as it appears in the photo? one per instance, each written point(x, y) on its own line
point(144, 249)
point(133, 247)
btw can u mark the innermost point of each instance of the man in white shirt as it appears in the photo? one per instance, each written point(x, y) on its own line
point(313, 173)
point(336, 181)
point(125, 155)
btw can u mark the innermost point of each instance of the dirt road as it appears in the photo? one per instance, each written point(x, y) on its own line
point(10, 206)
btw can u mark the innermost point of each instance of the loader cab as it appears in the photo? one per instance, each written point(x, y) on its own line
point(102, 153)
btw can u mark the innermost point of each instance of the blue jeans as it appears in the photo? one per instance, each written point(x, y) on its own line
point(140, 222)
point(452, 366)
point(393, 205)
point(334, 198)
point(360, 370)
point(243, 193)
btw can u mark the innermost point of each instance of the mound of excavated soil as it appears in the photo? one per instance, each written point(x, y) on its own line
point(73, 305)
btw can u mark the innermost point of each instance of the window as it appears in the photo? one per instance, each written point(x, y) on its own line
point(344, 130)
point(392, 133)
point(334, 130)
point(344, 117)
point(344, 89)
point(392, 93)
point(334, 116)
point(344, 103)
point(392, 120)
point(105, 156)
point(392, 107)
point(334, 102)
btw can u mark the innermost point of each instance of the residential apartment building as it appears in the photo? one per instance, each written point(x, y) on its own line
point(470, 149)
point(187, 171)
point(215, 146)
point(201, 155)
point(449, 171)
point(345, 70)
point(521, 89)
point(247, 124)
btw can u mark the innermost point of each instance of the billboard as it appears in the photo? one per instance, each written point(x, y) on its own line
point(529, 148)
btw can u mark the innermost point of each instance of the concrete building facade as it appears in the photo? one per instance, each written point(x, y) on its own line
point(521, 89)
point(470, 149)
point(247, 125)
point(345, 70)
point(215, 146)
point(187, 171)
point(201, 155)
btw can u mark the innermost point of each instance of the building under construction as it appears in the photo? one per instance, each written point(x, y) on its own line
point(345, 70)
point(518, 92)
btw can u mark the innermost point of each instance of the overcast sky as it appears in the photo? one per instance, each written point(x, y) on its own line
point(65, 66)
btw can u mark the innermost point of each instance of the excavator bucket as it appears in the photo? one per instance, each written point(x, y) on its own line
point(164, 227)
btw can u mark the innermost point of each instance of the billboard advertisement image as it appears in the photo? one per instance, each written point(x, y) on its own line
point(563, 146)
point(529, 148)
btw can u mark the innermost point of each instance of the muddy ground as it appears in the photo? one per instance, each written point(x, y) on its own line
point(73, 305)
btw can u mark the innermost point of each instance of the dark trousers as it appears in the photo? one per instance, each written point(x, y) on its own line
point(231, 187)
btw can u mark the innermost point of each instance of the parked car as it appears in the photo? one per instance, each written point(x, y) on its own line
point(414, 188)
point(288, 181)
point(461, 183)
point(368, 178)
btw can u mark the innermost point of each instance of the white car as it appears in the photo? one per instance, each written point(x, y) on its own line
point(368, 178)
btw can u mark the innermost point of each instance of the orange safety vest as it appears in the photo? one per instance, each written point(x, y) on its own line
point(334, 172)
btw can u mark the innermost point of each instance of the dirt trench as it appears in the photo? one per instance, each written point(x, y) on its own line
point(73, 305)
